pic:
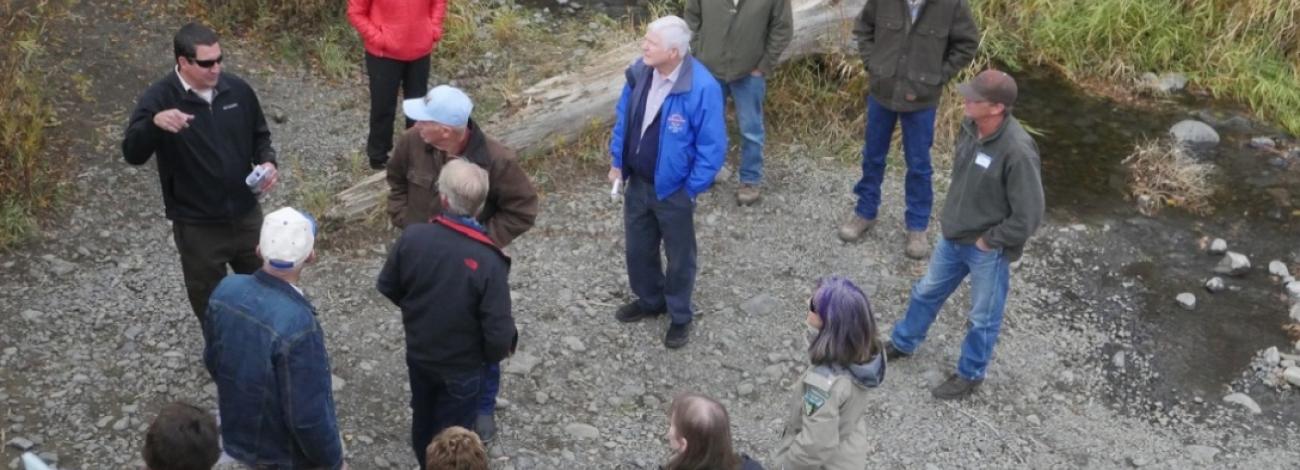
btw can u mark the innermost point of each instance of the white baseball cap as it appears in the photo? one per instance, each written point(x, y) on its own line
point(445, 105)
point(288, 236)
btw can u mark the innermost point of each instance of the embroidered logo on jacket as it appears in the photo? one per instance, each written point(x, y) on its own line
point(230, 106)
point(676, 123)
point(473, 265)
point(813, 399)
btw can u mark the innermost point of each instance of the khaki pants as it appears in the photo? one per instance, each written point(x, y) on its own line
point(206, 250)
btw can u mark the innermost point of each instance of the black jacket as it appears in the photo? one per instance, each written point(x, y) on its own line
point(451, 283)
point(202, 168)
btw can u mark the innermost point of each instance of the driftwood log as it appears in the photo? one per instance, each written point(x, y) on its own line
point(557, 109)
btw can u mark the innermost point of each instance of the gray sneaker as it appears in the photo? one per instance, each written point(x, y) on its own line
point(918, 246)
point(748, 194)
point(854, 226)
point(955, 388)
point(486, 428)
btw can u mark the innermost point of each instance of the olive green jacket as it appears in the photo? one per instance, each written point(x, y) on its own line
point(908, 63)
point(734, 39)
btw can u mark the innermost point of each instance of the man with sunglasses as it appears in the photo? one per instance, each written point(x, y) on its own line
point(207, 129)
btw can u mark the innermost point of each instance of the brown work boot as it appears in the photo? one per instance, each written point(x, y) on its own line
point(748, 194)
point(854, 226)
point(918, 246)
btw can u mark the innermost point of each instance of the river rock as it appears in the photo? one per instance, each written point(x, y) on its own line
point(1233, 264)
point(573, 343)
point(1218, 247)
point(1295, 313)
point(1271, 356)
point(1292, 375)
point(759, 305)
point(1262, 143)
point(1293, 289)
point(582, 431)
point(21, 443)
point(1194, 133)
point(31, 315)
point(1243, 400)
point(1201, 454)
point(1187, 300)
point(1164, 83)
point(1215, 285)
point(1279, 269)
point(522, 364)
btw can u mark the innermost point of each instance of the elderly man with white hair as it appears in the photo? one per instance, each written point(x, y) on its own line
point(668, 143)
point(450, 281)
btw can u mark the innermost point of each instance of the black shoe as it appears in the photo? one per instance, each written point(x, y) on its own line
point(631, 313)
point(378, 164)
point(486, 428)
point(955, 388)
point(678, 335)
point(893, 353)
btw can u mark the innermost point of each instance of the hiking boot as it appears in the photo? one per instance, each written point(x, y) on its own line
point(486, 428)
point(955, 388)
point(854, 226)
point(379, 163)
point(678, 335)
point(893, 353)
point(918, 246)
point(748, 194)
point(631, 313)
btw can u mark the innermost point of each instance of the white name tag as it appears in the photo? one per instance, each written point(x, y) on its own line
point(983, 160)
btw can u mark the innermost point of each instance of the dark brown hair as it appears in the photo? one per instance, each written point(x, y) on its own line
point(705, 426)
point(182, 437)
point(456, 448)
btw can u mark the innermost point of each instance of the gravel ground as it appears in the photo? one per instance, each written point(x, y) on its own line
point(98, 335)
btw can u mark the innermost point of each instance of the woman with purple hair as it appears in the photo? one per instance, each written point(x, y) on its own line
point(825, 428)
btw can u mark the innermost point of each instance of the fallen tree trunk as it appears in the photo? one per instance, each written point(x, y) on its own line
point(557, 109)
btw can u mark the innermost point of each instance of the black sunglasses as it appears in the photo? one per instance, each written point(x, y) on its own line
point(812, 307)
point(207, 64)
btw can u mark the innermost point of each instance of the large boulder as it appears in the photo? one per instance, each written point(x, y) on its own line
point(1194, 134)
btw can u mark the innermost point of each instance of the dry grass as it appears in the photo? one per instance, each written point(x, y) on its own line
point(30, 179)
point(1163, 174)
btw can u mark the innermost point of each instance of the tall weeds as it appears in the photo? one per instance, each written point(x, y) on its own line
point(29, 177)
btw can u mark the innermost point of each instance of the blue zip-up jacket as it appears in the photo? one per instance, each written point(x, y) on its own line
point(266, 352)
point(693, 134)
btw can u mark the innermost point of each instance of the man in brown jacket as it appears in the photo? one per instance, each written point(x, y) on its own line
point(911, 48)
point(443, 131)
point(741, 42)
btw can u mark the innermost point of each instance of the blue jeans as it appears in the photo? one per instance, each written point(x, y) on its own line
point(748, 93)
point(440, 400)
point(989, 283)
point(918, 136)
point(648, 224)
point(487, 403)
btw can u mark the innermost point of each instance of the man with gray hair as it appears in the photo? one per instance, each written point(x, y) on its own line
point(450, 281)
point(668, 143)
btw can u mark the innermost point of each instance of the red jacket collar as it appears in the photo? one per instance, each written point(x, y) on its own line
point(469, 232)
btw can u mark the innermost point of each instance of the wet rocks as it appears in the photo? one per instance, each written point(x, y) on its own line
point(1218, 247)
point(1293, 289)
point(1194, 134)
point(1262, 143)
point(1215, 285)
point(1292, 375)
point(1295, 312)
point(1244, 401)
point(1279, 269)
point(1233, 264)
point(1187, 300)
point(21, 443)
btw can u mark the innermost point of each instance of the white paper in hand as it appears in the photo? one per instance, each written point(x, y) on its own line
point(613, 191)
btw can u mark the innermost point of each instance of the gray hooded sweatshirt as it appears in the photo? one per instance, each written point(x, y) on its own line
point(825, 429)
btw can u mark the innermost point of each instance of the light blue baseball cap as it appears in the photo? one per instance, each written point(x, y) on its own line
point(444, 104)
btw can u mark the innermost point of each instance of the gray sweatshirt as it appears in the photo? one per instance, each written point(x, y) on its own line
point(996, 191)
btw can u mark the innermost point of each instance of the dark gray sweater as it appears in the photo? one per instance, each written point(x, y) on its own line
point(996, 191)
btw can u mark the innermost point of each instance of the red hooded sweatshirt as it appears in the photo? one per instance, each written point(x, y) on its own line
point(403, 30)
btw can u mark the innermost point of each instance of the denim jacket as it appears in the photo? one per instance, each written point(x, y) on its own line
point(266, 352)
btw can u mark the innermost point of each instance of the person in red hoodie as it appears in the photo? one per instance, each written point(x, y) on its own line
point(398, 35)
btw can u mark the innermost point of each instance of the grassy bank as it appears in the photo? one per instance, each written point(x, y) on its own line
point(29, 178)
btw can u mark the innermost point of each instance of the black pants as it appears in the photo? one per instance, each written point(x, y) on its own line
point(386, 75)
point(206, 250)
point(440, 400)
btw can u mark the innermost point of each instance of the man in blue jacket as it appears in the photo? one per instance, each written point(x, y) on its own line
point(266, 352)
point(669, 142)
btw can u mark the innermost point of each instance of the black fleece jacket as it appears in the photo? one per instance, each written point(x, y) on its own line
point(202, 167)
point(451, 284)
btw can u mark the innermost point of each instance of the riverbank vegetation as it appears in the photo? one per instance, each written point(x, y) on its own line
point(29, 177)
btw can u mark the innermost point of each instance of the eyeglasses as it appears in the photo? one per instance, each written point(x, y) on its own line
point(207, 64)
point(812, 307)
